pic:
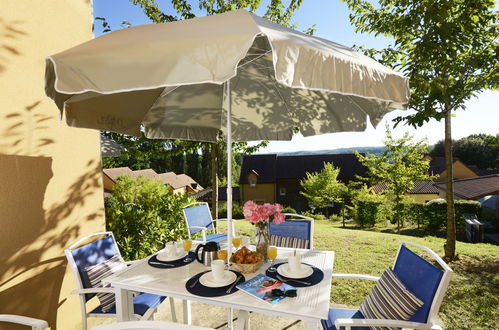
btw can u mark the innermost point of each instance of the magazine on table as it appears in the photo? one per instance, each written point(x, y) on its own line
point(261, 287)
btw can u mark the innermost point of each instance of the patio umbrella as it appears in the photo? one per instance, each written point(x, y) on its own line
point(110, 148)
point(234, 73)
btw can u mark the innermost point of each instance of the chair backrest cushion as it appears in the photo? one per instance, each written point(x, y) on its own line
point(389, 299)
point(299, 229)
point(199, 216)
point(96, 273)
point(420, 277)
point(289, 242)
point(92, 254)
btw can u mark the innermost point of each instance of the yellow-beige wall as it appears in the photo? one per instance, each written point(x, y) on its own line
point(108, 183)
point(50, 179)
point(421, 198)
point(460, 171)
point(262, 192)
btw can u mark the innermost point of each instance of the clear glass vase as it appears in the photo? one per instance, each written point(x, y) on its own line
point(262, 239)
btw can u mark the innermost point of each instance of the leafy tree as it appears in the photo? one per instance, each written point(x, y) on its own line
point(448, 49)
point(143, 214)
point(481, 150)
point(321, 188)
point(400, 166)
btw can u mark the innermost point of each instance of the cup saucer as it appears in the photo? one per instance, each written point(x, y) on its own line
point(207, 279)
point(305, 271)
point(163, 256)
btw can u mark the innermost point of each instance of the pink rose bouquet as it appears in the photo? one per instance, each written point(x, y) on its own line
point(261, 215)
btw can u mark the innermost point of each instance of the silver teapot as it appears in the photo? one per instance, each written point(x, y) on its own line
point(209, 253)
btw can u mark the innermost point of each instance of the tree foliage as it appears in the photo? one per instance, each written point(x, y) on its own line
point(399, 167)
point(321, 188)
point(481, 150)
point(143, 214)
point(448, 49)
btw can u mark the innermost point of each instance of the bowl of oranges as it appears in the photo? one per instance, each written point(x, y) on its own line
point(246, 261)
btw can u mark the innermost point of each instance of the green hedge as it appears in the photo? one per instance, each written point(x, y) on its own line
point(430, 216)
point(237, 211)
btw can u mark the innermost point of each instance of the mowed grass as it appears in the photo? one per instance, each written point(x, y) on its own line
point(472, 298)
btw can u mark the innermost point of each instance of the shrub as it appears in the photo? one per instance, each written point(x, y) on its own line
point(288, 209)
point(315, 216)
point(143, 214)
point(436, 213)
point(237, 211)
point(370, 209)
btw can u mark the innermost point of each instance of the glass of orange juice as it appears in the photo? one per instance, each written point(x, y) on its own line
point(272, 254)
point(222, 254)
point(236, 241)
point(187, 245)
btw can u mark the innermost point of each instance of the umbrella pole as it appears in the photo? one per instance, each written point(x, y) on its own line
point(229, 168)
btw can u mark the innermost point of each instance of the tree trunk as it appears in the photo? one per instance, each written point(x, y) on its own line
point(397, 213)
point(214, 181)
point(450, 245)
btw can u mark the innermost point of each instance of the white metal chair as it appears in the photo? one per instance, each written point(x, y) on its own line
point(35, 324)
point(423, 279)
point(198, 219)
point(83, 254)
point(148, 325)
point(296, 232)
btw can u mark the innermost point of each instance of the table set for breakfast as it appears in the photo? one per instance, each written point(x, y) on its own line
point(297, 285)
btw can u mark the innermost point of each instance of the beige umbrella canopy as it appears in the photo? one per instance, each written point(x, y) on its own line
point(167, 78)
point(182, 80)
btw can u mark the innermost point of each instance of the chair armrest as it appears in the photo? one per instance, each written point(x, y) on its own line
point(198, 227)
point(93, 290)
point(356, 276)
point(24, 320)
point(224, 219)
point(347, 323)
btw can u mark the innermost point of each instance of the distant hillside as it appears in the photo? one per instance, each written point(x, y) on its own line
point(366, 150)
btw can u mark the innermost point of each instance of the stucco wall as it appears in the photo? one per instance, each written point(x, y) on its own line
point(422, 198)
point(460, 171)
point(50, 182)
point(262, 192)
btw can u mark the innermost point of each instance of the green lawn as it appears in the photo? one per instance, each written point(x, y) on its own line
point(473, 295)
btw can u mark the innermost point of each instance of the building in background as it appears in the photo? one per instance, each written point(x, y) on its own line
point(276, 179)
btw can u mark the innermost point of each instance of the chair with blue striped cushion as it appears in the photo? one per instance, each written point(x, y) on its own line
point(421, 278)
point(198, 219)
point(296, 232)
point(85, 257)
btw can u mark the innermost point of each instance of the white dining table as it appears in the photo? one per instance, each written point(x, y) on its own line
point(311, 304)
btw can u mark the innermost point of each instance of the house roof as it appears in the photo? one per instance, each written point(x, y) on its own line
point(474, 188)
point(115, 173)
point(171, 179)
point(272, 167)
point(421, 187)
point(148, 173)
point(437, 165)
point(264, 165)
point(188, 181)
point(222, 194)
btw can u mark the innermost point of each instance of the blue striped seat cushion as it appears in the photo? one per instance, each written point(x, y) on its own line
point(390, 300)
point(289, 242)
point(96, 273)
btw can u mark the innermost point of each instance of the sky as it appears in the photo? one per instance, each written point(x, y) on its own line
point(331, 21)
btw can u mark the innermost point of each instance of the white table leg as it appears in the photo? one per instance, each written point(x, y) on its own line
point(124, 305)
point(187, 311)
point(242, 320)
point(312, 325)
point(230, 317)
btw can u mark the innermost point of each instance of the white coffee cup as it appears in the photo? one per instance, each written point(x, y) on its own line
point(294, 263)
point(217, 270)
point(171, 249)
